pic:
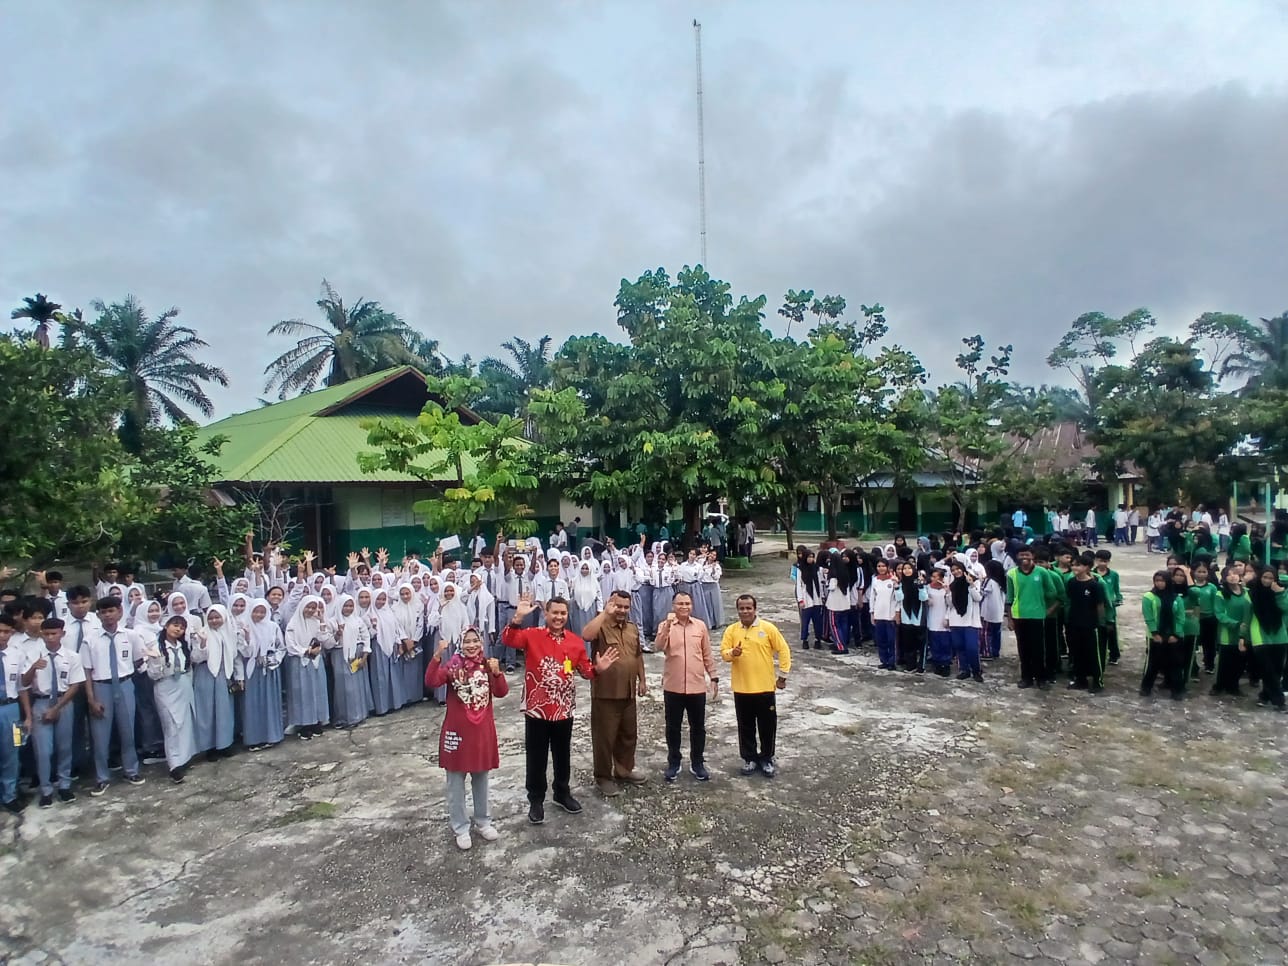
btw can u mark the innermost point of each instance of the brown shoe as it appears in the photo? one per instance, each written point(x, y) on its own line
point(608, 788)
point(636, 777)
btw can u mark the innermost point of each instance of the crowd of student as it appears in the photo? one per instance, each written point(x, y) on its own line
point(107, 677)
point(943, 602)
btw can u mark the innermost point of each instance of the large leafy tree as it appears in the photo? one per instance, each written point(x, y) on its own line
point(40, 311)
point(487, 463)
point(510, 383)
point(354, 340)
point(677, 415)
point(69, 490)
point(156, 360)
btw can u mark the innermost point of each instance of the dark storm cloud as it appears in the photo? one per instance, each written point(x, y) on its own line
point(489, 170)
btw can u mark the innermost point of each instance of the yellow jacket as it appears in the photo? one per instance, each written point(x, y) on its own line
point(752, 672)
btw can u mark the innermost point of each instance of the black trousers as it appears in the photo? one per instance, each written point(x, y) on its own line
point(1229, 666)
point(1084, 656)
point(1052, 644)
point(543, 740)
point(1030, 642)
point(1108, 644)
point(756, 712)
point(1270, 662)
point(911, 645)
point(675, 706)
point(1208, 627)
point(1167, 658)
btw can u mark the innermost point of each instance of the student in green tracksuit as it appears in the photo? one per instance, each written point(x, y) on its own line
point(1232, 614)
point(1164, 612)
point(1202, 598)
point(1268, 635)
point(1029, 603)
point(1055, 620)
point(1113, 591)
point(1240, 545)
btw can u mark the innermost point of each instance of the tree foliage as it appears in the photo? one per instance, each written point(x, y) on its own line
point(487, 462)
point(42, 312)
point(155, 359)
point(355, 340)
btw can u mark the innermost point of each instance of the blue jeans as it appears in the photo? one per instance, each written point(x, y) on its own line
point(1120, 536)
point(885, 634)
point(53, 743)
point(966, 647)
point(118, 710)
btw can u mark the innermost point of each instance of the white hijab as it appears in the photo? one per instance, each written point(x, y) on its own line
point(410, 614)
point(455, 618)
point(302, 631)
point(261, 635)
point(386, 622)
point(221, 642)
point(351, 631)
point(585, 587)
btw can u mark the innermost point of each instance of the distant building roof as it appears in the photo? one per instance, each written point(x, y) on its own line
point(316, 438)
point(1064, 448)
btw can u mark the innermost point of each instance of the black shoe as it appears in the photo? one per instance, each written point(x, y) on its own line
point(920, 670)
point(1178, 695)
point(135, 779)
point(1146, 692)
point(672, 772)
point(176, 775)
point(964, 676)
point(66, 796)
point(977, 676)
point(536, 813)
point(1095, 689)
point(15, 806)
point(225, 752)
point(98, 789)
point(46, 801)
point(1026, 683)
point(804, 645)
point(569, 804)
point(509, 669)
point(212, 755)
point(1113, 660)
point(836, 649)
point(1044, 685)
point(1077, 685)
point(700, 772)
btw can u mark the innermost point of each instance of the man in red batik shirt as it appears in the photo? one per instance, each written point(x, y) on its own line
point(551, 656)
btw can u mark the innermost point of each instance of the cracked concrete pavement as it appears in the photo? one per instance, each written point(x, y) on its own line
point(914, 819)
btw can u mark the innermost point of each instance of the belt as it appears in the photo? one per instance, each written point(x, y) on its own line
point(108, 681)
point(40, 697)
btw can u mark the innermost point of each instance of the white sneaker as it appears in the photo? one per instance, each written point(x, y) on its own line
point(463, 841)
point(488, 832)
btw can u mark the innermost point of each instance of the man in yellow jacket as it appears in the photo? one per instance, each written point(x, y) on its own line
point(750, 646)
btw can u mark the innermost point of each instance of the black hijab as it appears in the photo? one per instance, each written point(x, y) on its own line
point(911, 596)
point(959, 588)
point(1264, 605)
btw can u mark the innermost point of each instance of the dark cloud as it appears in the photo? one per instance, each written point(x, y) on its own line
point(488, 170)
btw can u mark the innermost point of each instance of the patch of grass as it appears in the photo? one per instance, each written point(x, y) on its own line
point(692, 825)
point(1159, 884)
point(1263, 764)
point(1126, 856)
point(306, 813)
point(876, 955)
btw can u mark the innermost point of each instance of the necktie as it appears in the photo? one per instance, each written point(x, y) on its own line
point(54, 693)
point(4, 680)
point(111, 661)
point(80, 634)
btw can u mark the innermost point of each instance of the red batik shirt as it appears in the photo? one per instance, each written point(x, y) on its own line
point(549, 688)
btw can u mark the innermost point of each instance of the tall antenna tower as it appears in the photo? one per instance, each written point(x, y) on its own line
point(702, 162)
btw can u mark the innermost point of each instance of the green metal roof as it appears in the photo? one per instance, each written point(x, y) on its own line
point(314, 438)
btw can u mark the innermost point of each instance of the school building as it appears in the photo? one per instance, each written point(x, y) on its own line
point(925, 504)
point(298, 460)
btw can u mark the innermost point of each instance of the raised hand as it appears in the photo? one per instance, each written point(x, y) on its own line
point(524, 607)
point(736, 651)
point(493, 666)
point(352, 559)
point(365, 553)
point(607, 659)
point(219, 566)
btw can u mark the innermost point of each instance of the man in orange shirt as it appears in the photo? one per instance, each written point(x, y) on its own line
point(686, 643)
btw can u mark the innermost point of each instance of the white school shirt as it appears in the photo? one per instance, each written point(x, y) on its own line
point(936, 608)
point(1120, 519)
point(195, 593)
point(1153, 524)
point(807, 598)
point(97, 661)
point(14, 661)
point(1223, 526)
point(837, 599)
point(882, 602)
point(75, 634)
point(68, 666)
point(992, 604)
point(971, 617)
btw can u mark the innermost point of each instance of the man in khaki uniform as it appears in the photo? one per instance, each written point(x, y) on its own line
point(613, 722)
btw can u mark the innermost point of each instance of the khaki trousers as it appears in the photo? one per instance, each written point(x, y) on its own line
point(613, 733)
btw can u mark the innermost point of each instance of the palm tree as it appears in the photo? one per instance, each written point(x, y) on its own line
point(1263, 362)
point(357, 340)
point(155, 360)
point(41, 311)
point(509, 386)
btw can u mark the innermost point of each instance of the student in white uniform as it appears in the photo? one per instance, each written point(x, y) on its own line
point(307, 706)
point(109, 656)
point(15, 711)
point(214, 669)
point(54, 677)
point(169, 665)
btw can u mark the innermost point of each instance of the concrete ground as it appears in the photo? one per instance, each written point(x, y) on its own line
point(915, 819)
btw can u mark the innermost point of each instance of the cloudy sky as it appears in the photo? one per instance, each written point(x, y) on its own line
point(495, 168)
